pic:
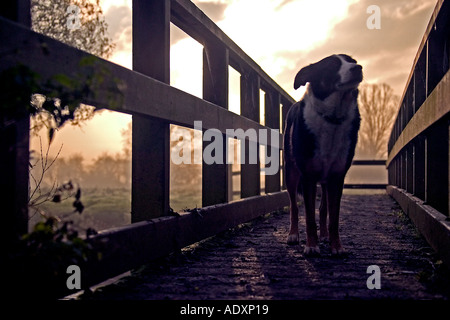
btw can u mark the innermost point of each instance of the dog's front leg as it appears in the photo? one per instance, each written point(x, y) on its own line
point(292, 181)
point(334, 194)
point(309, 196)
point(323, 211)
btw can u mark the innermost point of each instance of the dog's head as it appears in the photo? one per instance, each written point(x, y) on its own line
point(336, 73)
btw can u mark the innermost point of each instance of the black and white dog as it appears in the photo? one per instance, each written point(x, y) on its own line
point(319, 142)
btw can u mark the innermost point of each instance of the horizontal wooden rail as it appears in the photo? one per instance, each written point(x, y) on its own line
point(368, 162)
point(432, 110)
point(139, 94)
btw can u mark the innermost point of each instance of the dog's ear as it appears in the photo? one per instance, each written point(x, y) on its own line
point(303, 76)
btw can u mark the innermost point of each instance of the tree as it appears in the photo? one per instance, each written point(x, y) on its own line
point(79, 23)
point(127, 140)
point(378, 106)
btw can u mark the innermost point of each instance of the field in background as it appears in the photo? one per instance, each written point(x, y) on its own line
point(107, 208)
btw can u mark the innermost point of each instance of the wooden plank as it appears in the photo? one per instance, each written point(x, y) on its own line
point(419, 166)
point(151, 38)
point(151, 135)
point(250, 173)
point(436, 106)
point(432, 224)
point(272, 117)
point(150, 169)
point(130, 246)
point(14, 164)
point(17, 10)
point(124, 90)
point(365, 186)
point(215, 90)
point(14, 151)
point(368, 162)
point(215, 74)
point(437, 162)
point(410, 168)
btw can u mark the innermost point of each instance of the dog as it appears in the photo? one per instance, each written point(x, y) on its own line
point(320, 137)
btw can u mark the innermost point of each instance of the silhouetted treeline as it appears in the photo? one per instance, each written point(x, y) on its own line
point(113, 171)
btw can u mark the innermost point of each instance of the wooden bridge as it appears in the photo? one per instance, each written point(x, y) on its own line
point(418, 161)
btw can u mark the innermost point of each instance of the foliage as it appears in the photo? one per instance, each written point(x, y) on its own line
point(52, 17)
point(56, 100)
point(39, 262)
point(36, 264)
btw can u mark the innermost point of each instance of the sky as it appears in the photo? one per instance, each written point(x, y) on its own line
point(282, 36)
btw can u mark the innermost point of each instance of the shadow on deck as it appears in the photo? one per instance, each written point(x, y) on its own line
point(253, 261)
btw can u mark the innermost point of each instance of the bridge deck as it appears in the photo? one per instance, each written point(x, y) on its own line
point(254, 262)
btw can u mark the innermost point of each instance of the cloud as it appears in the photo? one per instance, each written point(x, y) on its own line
point(120, 30)
point(282, 36)
point(386, 54)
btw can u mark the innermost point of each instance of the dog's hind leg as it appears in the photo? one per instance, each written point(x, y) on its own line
point(334, 188)
point(292, 180)
point(309, 196)
point(323, 210)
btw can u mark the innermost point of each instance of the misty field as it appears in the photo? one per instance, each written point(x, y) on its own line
point(108, 207)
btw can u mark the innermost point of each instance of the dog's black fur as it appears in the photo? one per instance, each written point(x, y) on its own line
point(319, 141)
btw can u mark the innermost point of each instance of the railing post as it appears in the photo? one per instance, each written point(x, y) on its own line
point(215, 177)
point(15, 152)
point(419, 166)
point(272, 116)
point(409, 168)
point(250, 173)
point(151, 136)
point(437, 166)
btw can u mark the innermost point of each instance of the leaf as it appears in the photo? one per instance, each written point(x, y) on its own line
point(78, 194)
point(51, 135)
point(90, 232)
point(79, 207)
point(56, 198)
point(64, 80)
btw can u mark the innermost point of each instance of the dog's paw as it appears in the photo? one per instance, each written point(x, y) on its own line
point(338, 252)
point(293, 239)
point(311, 251)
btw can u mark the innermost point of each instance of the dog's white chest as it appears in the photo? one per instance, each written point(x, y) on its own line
point(332, 142)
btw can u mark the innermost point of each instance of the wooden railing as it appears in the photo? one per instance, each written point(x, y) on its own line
point(418, 159)
point(365, 185)
point(145, 93)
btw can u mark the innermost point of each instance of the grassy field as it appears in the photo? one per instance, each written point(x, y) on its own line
point(108, 208)
point(104, 208)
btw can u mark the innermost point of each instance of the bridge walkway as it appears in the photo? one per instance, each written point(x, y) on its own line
point(254, 262)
